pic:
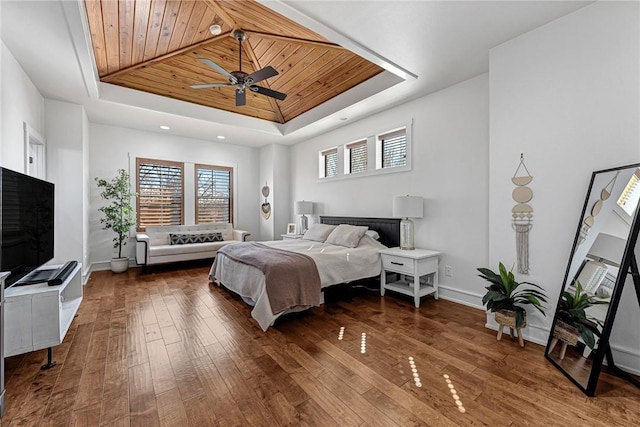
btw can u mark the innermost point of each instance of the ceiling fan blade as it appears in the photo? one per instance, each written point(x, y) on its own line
point(219, 69)
point(269, 92)
point(241, 98)
point(261, 75)
point(208, 85)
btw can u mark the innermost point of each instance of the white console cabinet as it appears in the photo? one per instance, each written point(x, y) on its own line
point(38, 316)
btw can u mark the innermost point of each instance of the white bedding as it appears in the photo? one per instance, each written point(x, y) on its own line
point(336, 264)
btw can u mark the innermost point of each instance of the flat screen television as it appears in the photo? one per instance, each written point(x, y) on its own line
point(26, 211)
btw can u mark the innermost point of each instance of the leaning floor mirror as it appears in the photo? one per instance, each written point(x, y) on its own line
point(601, 259)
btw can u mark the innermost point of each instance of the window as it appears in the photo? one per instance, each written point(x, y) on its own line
point(160, 192)
point(329, 163)
point(357, 157)
point(391, 149)
point(214, 194)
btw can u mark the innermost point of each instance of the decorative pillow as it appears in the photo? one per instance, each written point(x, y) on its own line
point(374, 234)
point(318, 232)
point(182, 239)
point(346, 235)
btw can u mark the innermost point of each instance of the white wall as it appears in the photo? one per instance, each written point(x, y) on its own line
point(112, 148)
point(65, 134)
point(266, 178)
point(275, 172)
point(282, 202)
point(20, 102)
point(567, 96)
point(450, 170)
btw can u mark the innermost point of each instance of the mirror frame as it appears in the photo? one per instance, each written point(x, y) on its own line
point(628, 265)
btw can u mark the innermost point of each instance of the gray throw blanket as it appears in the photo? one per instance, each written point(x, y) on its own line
point(291, 279)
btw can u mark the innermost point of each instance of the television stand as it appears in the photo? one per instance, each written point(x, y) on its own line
point(38, 316)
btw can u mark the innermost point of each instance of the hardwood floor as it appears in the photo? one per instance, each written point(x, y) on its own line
point(167, 348)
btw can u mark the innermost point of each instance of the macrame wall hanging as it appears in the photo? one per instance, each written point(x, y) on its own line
point(522, 214)
point(265, 208)
point(588, 222)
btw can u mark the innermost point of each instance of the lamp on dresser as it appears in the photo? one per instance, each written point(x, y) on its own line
point(406, 207)
point(303, 208)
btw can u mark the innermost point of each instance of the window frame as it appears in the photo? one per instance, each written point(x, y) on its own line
point(195, 189)
point(380, 147)
point(143, 160)
point(348, 156)
point(323, 163)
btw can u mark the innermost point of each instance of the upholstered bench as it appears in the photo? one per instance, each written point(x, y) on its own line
point(171, 243)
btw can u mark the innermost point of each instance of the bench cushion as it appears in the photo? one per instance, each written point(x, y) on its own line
point(160, 250)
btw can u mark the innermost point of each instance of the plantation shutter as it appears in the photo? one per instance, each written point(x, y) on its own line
point(357, 156)
point(394, 148)
point(214, 196)
point(160, 192)
point(330, 162)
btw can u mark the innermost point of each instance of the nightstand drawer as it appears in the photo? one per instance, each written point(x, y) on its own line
point(397, 264)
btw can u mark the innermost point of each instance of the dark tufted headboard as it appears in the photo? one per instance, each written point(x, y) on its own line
point(387, 228)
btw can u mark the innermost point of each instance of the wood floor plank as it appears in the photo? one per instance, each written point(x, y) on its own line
point(171, 409)
point(143, 407)
point(185, 373)
point(161, 371)
point(168, 348)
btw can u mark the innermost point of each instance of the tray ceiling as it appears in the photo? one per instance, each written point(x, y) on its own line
point(154, 46)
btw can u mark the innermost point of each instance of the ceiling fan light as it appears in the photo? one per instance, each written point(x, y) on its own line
point(215, 29)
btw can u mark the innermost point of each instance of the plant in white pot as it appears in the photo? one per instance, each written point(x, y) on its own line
point(118, 215)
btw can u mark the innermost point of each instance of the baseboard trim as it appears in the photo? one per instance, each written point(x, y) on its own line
point(459, 296)
point(625, 358)
point(106, 265)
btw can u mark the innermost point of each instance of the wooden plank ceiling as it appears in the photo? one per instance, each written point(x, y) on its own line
point(154, 46)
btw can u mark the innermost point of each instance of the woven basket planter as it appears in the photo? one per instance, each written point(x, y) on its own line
point(508, 318)
point(566, 333)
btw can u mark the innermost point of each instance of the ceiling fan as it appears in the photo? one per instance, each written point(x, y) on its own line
point(242, 80)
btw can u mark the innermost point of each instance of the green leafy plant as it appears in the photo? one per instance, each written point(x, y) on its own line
point(505, 293)
point(572, 312)
point(119, 216)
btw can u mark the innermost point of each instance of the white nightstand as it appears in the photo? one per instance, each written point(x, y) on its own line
point(416, 263)
point(291, 236)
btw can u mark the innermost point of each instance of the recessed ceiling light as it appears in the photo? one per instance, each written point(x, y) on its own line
point(165, 127)
point(221, 136)
point(215, 29)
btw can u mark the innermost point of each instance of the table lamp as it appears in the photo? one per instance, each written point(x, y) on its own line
point(303, 208)
point(406, 207)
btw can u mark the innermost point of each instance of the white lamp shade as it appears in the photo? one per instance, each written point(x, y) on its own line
point(407, 207)
point(304, 208)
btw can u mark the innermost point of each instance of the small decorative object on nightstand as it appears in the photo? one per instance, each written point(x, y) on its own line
point(416, 263)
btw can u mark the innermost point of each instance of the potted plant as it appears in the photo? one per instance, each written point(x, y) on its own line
point(118, 215)
point(505, 296)
point(572, 317)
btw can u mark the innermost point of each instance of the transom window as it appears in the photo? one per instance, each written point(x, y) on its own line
point(357, 157)
point(392, 149)
point(160, 192)
point(329, 160)
point(214, 194)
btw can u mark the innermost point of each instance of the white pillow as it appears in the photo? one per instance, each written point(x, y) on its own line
point(346, 235)
point(374, 234)
point(318, 232)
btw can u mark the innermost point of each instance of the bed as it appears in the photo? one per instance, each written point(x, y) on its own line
point(334, 263)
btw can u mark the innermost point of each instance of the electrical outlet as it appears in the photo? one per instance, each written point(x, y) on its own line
point(447, 270)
